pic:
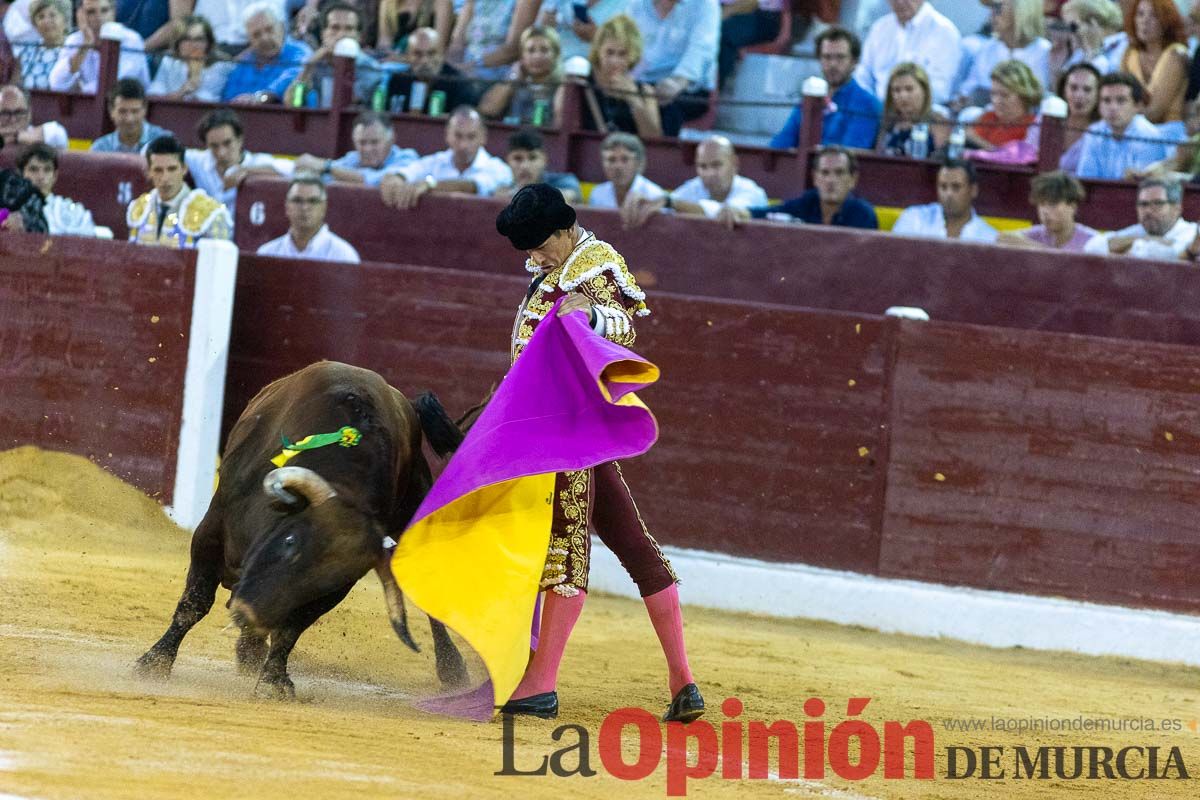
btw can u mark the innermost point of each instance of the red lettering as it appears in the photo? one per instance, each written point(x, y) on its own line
point(649, 744)
point(678, 768)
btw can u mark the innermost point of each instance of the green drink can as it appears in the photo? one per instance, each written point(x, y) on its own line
point(541, 110)
point(437, 103)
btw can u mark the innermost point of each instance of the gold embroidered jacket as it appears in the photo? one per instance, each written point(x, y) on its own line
point(199, 217)
point(597, 271)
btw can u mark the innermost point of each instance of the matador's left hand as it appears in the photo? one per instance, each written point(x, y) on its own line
point(575, 302)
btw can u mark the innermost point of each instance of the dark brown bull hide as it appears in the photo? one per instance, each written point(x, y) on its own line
point(291, 542)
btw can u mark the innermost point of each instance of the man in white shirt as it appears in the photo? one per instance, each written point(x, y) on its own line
point(953, 215)
point(716, 186)
point(1161, 232)
point(15, 125)
point(623, 157)
point(223, 164)
point(465, 166)
point(375, 153)
point(39, 166)
point(916, 32)
point(78, 65)
point(308, 236)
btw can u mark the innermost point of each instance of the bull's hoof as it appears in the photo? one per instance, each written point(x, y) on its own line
point(452, 670)
point(275, 687)
point(154, 665)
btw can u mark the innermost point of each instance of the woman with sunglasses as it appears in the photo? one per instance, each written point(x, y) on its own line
point(1091, 23)
point(194, 70)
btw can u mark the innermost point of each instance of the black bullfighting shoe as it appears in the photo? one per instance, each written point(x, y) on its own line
point(544, 705)
point(687, 705)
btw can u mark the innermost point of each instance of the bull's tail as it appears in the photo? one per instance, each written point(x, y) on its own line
point(444, 436)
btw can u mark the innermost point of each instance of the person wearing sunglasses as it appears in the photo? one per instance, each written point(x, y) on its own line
point(1091, 25)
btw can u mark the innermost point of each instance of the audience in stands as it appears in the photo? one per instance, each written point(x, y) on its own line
point(221, 166)
point(909, 107)
point(1079, 86)
point(1157, 57)
point(194, 70)
point(16, 127)
point(623, 157)
point(614, 101)
point(1016, 94)
point(745, 23)
point(1056, 196)
point(339, 20)
point(851, 112)
point(831, 201)
point(486, 37)
point(1184, 162)
point(398, 20)
point(78, 66)
point(270, 64)
point(1018, 29)
point(526, 158)
point(428, 72)
point(157, 22)
point(1123, 139)
point(464, 166)
point(127, 110)
point(1161, 231)
point(308, 236)
point(577, 29)
point(716, 190)
point(375, 154)
point(533, 93)
point(40, 52)
point(228, 21)
point(1092, 24)
point(39, 165)
point(915, 32)
point(171, 214)
point(679, 55)
point(953, 215)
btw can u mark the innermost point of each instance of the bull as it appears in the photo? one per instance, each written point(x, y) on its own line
point(289, 542)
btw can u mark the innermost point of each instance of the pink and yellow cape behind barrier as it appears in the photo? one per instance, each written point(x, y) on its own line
point(474, 553)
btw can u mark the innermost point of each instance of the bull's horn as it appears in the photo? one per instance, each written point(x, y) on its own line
point(286, 482)
point(395, 600)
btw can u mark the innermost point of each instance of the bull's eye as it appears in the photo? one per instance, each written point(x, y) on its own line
point(290, 540)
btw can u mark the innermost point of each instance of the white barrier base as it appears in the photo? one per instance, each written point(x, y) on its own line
point(995, 619)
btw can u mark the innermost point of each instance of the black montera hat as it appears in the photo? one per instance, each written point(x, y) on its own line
point(535, 213)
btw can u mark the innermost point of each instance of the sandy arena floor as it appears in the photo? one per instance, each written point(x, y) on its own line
point(90, 571)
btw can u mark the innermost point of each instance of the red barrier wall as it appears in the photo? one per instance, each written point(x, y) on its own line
point(93, 350)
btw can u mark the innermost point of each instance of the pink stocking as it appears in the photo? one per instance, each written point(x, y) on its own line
point(559, 615)
point(667, 618)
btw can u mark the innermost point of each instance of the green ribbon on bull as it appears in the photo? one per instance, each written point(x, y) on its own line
point(346, 437)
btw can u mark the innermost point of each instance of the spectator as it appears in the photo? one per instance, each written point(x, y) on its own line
point(194, 70)
point(39, 55)
point(1161, 232)
point(851, 112)
point(830, 202)
point(375, 154)
point(527, 160)
point(745, 23)
point(1080, 87)
point(270, 64)
point(465, 166)
point(953, 215)
point(487, 35)
point(1092, 23)
point(1157, 57)
point(428, 73)
point(223, 164)
point(400, 19)
point(1185, 161)
point(1056, 196)
point(39, 165)
point(127, 110)
point(576, 32)
point(228, 21)
point(339, 20)
point(308, 236)
point(78, 65)
point(679, 56)
point(15, 125)
point(533, 93)
point(158, 23)
point(717, 188)
point(1015, 94)
point(909, 104)
point(615, 101)
point(623, 157)
point(1017, 34)
point(915, 32)
point(1123, 140)
point(171, 214)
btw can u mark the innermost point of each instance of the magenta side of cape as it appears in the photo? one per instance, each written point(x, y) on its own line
point(548, 415)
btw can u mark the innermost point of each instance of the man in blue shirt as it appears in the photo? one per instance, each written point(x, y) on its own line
point(1123, 140)
point(269, 64)
point(375, 154)
point(831, 201)
point(851, 112)
point(127, 110)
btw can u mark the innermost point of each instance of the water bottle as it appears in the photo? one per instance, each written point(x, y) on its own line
point(958, 142)
point(918, 142)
